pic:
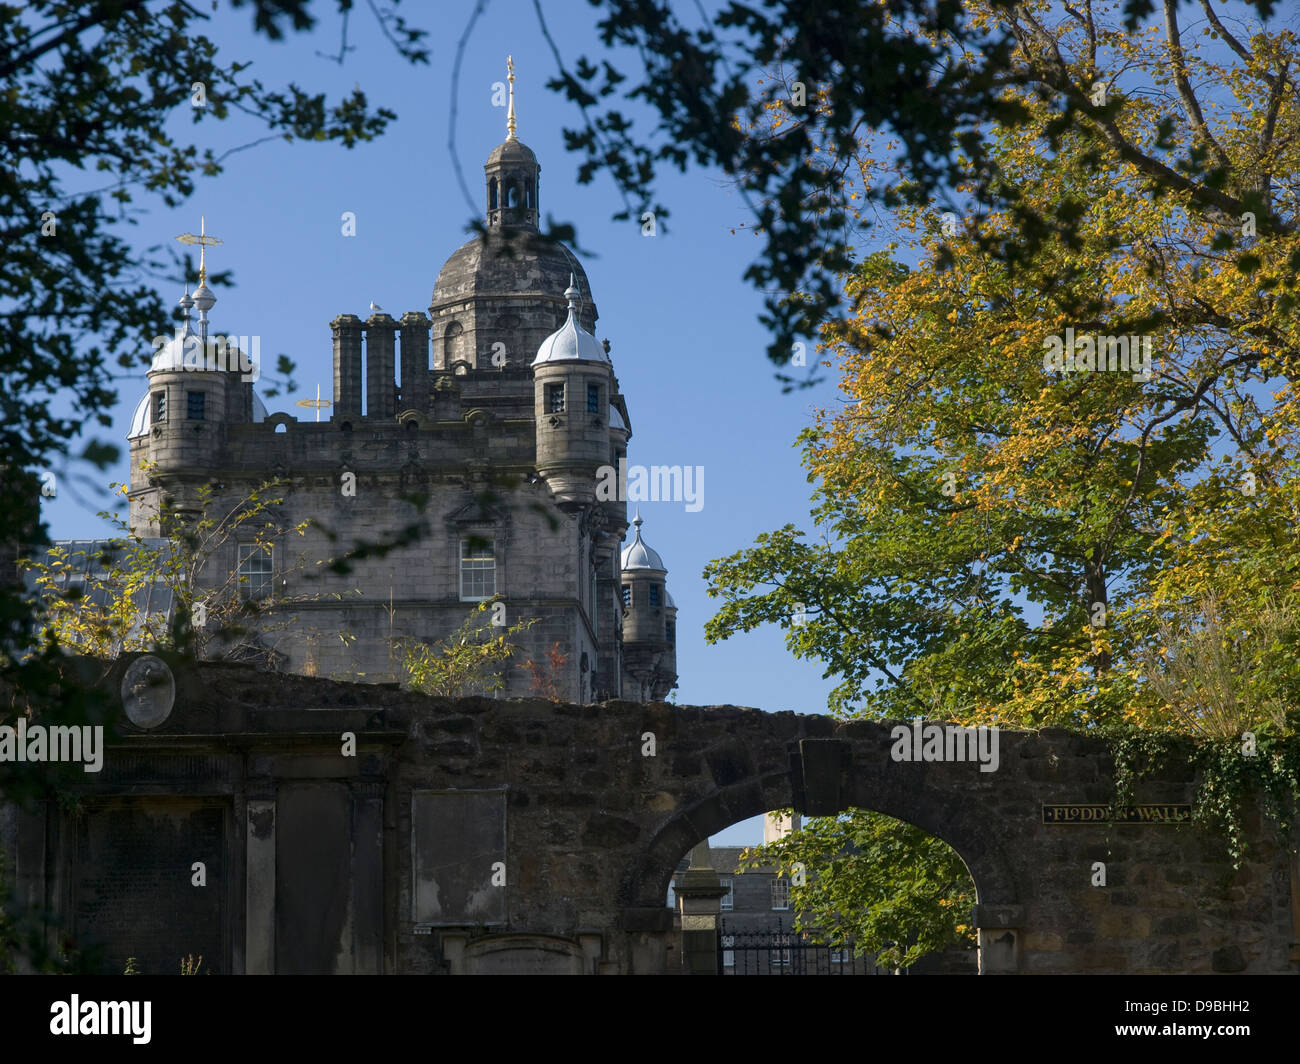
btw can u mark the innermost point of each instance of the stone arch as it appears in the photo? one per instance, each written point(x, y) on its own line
point(970, 828)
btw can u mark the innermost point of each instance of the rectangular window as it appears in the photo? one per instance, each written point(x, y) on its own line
point(627, 594)
point(254, 571)
point(672, 896)
point(728, 900)
point(728, 953)
point(160, 406)
point(781, 893)
point(654, 595)
point(478, 570)
point(593, 398)
point(555, 398)
point(194, 404)
point(670, 633)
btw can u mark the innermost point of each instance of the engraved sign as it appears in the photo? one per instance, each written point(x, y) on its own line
point(1174, 813)
point(148, 691)
point(132, 890)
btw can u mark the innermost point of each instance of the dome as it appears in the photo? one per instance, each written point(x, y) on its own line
point(520, 264)
point(668, 600)
point(143, 415)
point(571, 342)
point(511, 151)
point(172, 354)
point(638, 556)
point(616, 419)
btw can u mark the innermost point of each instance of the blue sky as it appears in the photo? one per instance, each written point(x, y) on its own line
point(686, 344)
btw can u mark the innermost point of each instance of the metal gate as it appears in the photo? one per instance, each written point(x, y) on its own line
point(777, 951)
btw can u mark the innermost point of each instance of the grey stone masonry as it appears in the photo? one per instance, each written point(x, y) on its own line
point(424, 500)
point(473, 820)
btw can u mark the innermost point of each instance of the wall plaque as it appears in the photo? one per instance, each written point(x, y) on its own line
point(1173, 813)
point(458, 843)
point(148, 691)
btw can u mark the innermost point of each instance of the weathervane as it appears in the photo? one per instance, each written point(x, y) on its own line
point(510, 115)
point(318, 402)
point(204, 241)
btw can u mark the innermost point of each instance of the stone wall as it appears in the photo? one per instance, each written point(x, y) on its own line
point(477, 834)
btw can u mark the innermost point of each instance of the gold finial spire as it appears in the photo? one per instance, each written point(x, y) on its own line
point(204, 241)
point(510, 115)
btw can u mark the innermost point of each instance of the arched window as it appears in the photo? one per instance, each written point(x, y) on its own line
point(492, 194)
point(452, 343)
point(529, 200)
point(512, 195)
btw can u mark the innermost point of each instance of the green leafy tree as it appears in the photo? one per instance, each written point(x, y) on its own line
point(928, 80)
point(915, 899)
point(471, 660)
point(103, 606)
point(1004, 542)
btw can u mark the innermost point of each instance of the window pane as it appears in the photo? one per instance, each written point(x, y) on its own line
point(255, 571)
point(654, 594)
point(781, 893)
point(555, 398)
point(194, 404)
point(478, 578)
point(627, 594)
point(728, 899)
point(593, 398)
point(160, 406)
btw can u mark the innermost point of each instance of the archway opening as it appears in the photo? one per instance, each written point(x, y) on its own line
point(859, 893)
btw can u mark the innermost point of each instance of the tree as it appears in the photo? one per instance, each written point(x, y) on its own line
point(544, 676)
point(181, 591)
point(1007, 538)
point(469, 661)
point(921, 906)
point(89, 88)
point(938, 75)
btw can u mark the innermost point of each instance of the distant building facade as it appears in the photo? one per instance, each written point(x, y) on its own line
point(470, 441)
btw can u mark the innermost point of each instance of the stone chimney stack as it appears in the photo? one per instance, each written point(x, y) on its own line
point(347, 366)
point(415, 361)
point(381, 365)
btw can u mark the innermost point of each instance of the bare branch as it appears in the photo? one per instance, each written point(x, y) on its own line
point(1191, 106)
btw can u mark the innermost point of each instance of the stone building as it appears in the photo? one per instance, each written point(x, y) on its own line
point(478, 458)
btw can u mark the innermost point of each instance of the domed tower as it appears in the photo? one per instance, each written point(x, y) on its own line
point(503, 287)
point(649, 622)
point(572, 384)
point(512, 174)
point(197, 387)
